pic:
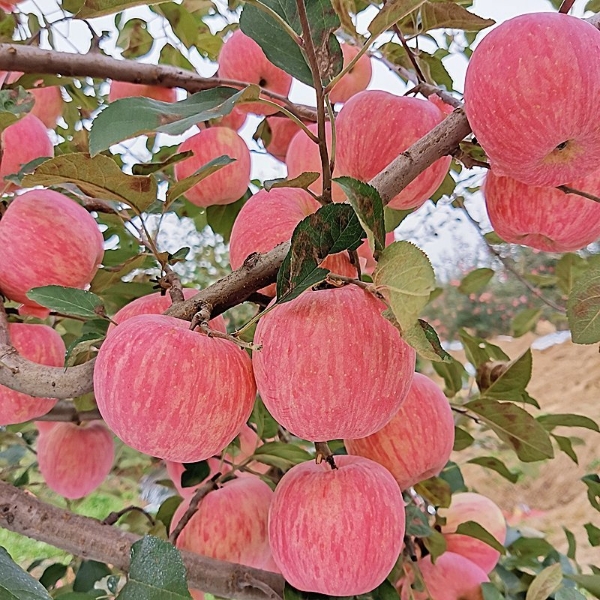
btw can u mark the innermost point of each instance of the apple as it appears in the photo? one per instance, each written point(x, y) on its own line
point(75, 459)
point(230, 523)
point(42, 345)
point(171, 392)
point(416, 444)
point(365, 255)
point(516, 103)
point(22, 142)
point(336, 531)
point(234, 120)
point(330, 365)
point(242, 59)
point(282, 130)
point(356, 80)
point(9, 5)
point(452, 577)
point(374, 127)
point(48, 250)
point(469, 506)
point(269, 218)
point(303, 156)
point(543, 217)
point(124, 89)
point(226, 185)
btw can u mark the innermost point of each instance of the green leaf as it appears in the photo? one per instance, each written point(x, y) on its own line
point(222, 217)
point(281, 455)
point(462, 439)
point(593, 533)
point(52, 574)
point(516, 427)
point(134, 39)
point(475, 530)
point(100, 8)
point(512, 381)
point(593, 485)
point(393, 218)
point(545, 583)
point(302, 181)
point(85, 345)
point(478, 351)
point(89, 572)
point(14, 104)
point(167, 510)
point(490, 462)
point(332, 229)
point(194, 473)
point(392, 12)
point(266, 426)
point(179, 188)
point(99, 177)
point(367, 203)
point(490, 591)
point(16, 584)
point(68, 301)
point(572, 543)
point(475, 281)
point(450, 15)
point(423, 338)
point(589, 582)
point(567, 420)
point(153, 167)
point(568, 269)
point(156, 572)
point(405, 277)
point(525, 321)
point(452, 373)
point(452, 475)
point(583, 308)
point(129, 117)
point(385, 591)
point(181, 20)
point(436, 490)
point(436, 544)
point(568, 593)
point(417, 522)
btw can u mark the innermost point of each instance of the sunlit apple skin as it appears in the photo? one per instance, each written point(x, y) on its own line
point(171, 392)
point(49, 250)
point(374, 127)
point(330, 365)
point(543, 217)
point(452, 577)
point(336, 532)
point(303, 156)
point(242, 59)
point(40, 344)
point(355, 80)
point(417, 442)
point(75, 459)
point(230, 524)
point(124, 89)
point(282, 132)
point(9, 5)
point(516, 103)
point(22, 142)
point(226, 185)
point(469, 506)
point(269, 218)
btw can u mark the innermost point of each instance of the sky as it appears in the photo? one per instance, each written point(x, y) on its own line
point(451, 243)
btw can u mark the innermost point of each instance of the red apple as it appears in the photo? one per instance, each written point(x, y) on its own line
point(282, 132)
point(234, 120)
point(473, 507)
point(230, 523)
point(336, 532)
point(242, 59)
point(356, 80)
point(543, 217)
point(40, 344)
point(516, 103)
point(75, 459)
point(171, 392)
point(269, 218)
point(124, 89)
point(49, 250)
point(417, 442)
point(374, 127)
point(22, 142)
point(330, 365)
point(452, 577)
point(303, 156)
point(226, 185)
point(9, 5)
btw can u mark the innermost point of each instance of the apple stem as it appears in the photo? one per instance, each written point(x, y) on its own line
point(566, 6)
point(200, 320)
point(324, 453)
point(411, 55)
point(368, 287)
point(172, 284)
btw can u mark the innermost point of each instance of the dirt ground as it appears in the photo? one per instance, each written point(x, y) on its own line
point(550, 495)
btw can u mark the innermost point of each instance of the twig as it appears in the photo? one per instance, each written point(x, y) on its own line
point(569, 190)
point(113, 517)
point(565, 7)
point(410, 53)
point(324, 453)
point(426, 89)
point(368, 287)
point(465, 413)
point(173, 285)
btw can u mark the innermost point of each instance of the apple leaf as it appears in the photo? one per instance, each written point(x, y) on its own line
point(490, 462)
point(583, 307)
point(220, 218)
point(167, 509)
point(385, 591)
point(436, 491)
point(153, 167)
point(423, 338)
point(417, 522)
point(179, 188)
point(478, 351)
point(452, 372)
point(475, 281)
point(393, 218)
point(462, 439)
point(567, 420)
point(281, 455)
point(302, 181)
point(405, 277)
point(593, 485)
point(516, 427)
point(593, 534)
point(332, 229)
point(367, 203)
point(447, 14)
point(89, 572)
point(545, 583)
point(566, 445)
point(525, 321)
point(99, 177)
point(512, 381)
point(14, 104)
point(392, 12)
point(16, 584)
point(589, 582)
point(569, 267)
point(99, 8)
point(194, 473)
point(129, 117)
point(68, 301)
point(475, 530)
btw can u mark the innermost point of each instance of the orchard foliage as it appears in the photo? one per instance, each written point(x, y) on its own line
point(291, 436)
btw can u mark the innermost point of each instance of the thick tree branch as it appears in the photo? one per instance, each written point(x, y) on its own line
point(23, 513)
